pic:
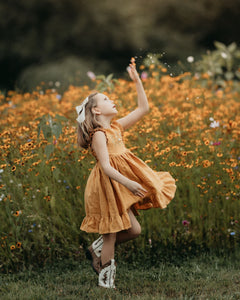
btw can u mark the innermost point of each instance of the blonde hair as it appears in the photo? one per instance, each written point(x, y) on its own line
point(89, 124)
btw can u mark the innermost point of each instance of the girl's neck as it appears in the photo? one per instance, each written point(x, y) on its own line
point(106, 123)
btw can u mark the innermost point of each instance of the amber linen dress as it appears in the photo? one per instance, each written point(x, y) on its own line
point(107, 201)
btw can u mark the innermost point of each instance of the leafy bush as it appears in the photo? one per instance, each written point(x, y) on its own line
point(221, 64)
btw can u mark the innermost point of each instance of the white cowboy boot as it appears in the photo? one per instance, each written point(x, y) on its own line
point(94, 254)
point(107, 275)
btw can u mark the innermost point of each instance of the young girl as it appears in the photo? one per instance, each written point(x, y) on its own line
point(120, 183)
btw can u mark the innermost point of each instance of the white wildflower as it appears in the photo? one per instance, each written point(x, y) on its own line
point(214, 124)
point(91, 75)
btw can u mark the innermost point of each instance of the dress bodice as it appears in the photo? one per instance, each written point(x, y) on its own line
point(115, 140)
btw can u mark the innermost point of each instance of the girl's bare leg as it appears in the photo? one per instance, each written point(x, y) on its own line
point(131, 233)
point(108, 247)
point(110, 239)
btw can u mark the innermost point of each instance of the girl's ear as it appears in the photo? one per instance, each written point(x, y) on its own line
point(96, 111)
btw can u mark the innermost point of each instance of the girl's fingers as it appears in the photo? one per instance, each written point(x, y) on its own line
point(145, 191)
point(142, 192)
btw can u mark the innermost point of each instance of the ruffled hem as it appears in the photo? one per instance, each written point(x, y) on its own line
point(103, 225)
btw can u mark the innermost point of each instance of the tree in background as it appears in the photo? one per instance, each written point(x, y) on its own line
point(49, 31)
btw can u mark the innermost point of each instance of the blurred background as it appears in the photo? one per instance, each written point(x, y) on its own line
point(58, 41)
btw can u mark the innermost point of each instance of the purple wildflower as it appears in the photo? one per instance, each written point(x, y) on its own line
point(185, 223)
point(91, 75)
point(144, 75)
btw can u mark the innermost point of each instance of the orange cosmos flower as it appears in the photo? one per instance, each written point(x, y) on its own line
point(18, 245)
point(133, 61)
point(206, 142)
point(218, 181)
point(147, 161)
point(17, 213)
point(48, 198)
point(206, 163)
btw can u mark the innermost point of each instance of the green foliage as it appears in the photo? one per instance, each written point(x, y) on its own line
point(104, 31)
point(105, 83)
point(221, 64)
point(152, 59)
point(52, 129)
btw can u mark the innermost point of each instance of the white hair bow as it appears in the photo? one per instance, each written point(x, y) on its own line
point(81, 111)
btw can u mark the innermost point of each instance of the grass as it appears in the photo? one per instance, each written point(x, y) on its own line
point(206, 276)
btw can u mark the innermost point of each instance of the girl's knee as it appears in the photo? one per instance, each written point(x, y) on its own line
point(137, 230)
point(136, 227)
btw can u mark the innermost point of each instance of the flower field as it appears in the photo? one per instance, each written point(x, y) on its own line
point(191, 131)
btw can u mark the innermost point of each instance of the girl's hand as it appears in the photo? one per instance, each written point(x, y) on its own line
point(136, 188)
point(132, 71)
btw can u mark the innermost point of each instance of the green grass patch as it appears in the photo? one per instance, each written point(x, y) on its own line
point(205, 276)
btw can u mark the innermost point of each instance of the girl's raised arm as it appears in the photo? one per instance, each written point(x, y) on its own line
point(143, 106)
point(99, 145)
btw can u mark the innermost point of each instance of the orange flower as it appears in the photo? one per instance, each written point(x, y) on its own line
point(53, 168)
point(206, 142)
point(17, 213)
point(133, 61)
point(18, 245)
point(152, 66)
point(48, 198)
point(206, 163)
point(154, 74)
point(13, 168)
point(147, 161)
point(78, 187)
point(218, 181)
point(12, 247)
